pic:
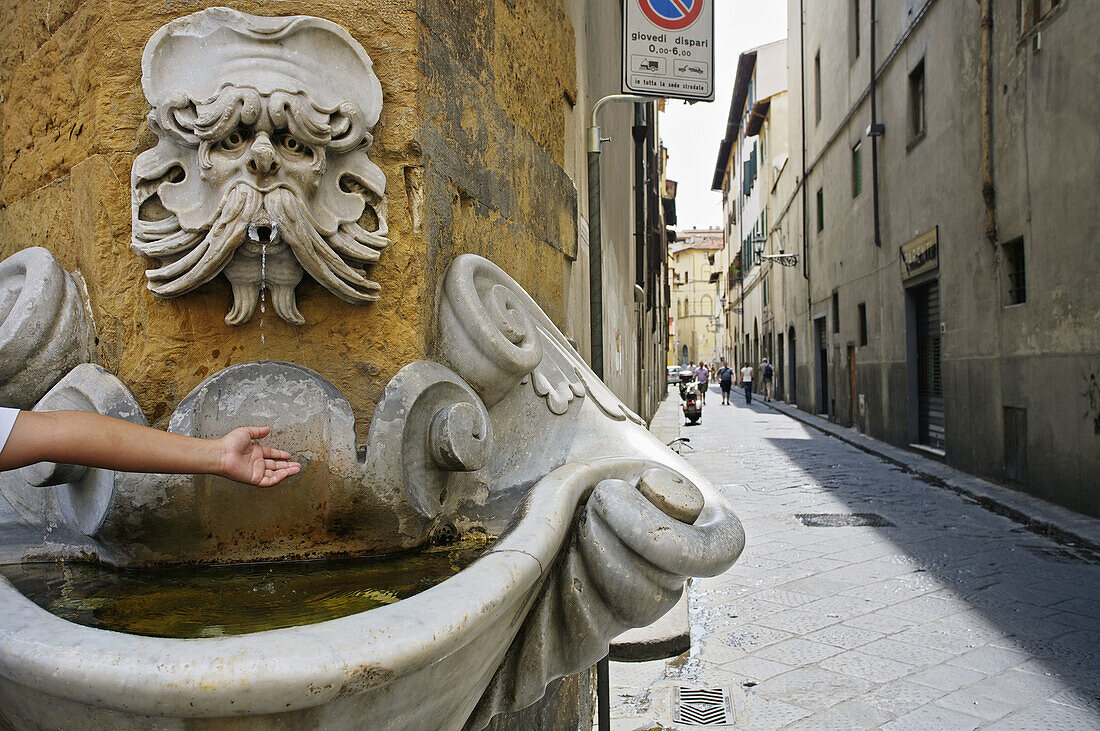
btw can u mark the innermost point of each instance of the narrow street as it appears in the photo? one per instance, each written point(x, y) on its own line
point(931, 612)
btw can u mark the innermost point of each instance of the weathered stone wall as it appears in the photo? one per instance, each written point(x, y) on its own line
point(470, 140)
point(497, 83)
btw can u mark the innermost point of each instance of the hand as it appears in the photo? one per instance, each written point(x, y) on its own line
point(253, 464)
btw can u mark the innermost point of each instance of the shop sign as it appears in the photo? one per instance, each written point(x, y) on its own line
point(921, 255)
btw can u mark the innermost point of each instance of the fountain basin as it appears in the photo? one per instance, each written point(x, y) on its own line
point(597, 525)
point(423, 662)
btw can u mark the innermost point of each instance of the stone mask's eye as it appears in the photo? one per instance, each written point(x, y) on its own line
point(294, 146)
point(234, 140)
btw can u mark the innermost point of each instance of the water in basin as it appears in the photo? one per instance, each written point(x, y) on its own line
point(210, 601)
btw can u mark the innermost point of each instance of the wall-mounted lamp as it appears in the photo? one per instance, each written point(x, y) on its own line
point(758, 242)
point(878, 129)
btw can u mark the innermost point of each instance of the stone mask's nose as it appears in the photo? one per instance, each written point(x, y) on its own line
point(262, 159)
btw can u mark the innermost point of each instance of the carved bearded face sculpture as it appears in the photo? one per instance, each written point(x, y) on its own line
point(261, 167)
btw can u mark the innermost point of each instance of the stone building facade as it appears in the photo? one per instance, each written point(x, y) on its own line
point(697, 297)
point(752, 157)
point(481, 141)
point(946, 292)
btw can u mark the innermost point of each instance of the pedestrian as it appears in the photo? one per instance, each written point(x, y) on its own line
point(725, 380)
point(702, 377)
point(746, 381)
point(768, 375)
point(95, 440)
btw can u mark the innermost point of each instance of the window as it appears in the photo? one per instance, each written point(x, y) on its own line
point(1014, 269)
point(862, 323)
point(916, 104)
point(820, 209)
point(857, 169)
point(748, 173)
point(853, 30)
point(817, 87)
point(836, 311)
point(1033, 12)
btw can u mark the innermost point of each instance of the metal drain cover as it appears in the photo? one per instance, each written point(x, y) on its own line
point(702, 706)
point(843, 520)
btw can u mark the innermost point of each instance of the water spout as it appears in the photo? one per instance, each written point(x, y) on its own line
point(263, 234)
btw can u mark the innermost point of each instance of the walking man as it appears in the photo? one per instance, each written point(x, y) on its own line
point(769, 373)
point(725, 380)
point(746, 381)
point(702, 376)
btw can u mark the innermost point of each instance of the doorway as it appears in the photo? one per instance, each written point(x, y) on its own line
point(923, 303)
point(851, 385)
point(779, 377)
point(821, 366)
point(792, 365)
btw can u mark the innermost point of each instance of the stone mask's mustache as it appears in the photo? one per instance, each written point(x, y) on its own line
point(319, 254)
point(210, 255)
point(278, 216)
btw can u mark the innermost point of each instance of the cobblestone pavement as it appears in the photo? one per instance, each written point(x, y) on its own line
point(945, 615)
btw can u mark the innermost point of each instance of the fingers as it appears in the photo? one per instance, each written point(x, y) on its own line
point(271, 464)
point(270, 453)
point(273, 476)
point(257, 432)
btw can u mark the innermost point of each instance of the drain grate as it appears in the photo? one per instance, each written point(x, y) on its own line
point(702, 706)
point(843, 520)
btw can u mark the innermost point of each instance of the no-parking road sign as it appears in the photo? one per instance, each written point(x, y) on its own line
point(668, 48)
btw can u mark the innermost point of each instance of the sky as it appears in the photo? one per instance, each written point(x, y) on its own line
point(693, 133)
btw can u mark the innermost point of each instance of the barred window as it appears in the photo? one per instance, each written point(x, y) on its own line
point(1016, 278)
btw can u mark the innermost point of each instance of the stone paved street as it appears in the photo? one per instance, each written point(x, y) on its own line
point(945, 615)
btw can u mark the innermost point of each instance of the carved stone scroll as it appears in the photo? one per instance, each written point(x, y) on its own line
point(624, 566)
point(428, 424)
point(494, 335)
point(44, 332)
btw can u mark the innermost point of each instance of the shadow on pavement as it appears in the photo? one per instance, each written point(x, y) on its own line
point(1042, 597)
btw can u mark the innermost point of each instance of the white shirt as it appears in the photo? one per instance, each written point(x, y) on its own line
point(746, 374)
point(7, 421)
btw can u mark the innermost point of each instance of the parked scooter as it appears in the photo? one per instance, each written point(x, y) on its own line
point(689, 394)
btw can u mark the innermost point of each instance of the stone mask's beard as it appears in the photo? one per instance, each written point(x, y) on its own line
point(210, 255)
point(325, 255)
point(191, 258)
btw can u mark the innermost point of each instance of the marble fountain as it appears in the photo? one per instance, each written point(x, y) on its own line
point(260, 174)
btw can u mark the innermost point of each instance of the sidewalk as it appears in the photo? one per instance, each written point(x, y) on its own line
point(1061, 524)
point(869, 595)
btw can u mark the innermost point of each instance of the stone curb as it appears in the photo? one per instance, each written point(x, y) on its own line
point(1037, 515)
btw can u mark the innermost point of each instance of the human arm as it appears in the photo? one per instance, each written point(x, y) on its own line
point(79, 437)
